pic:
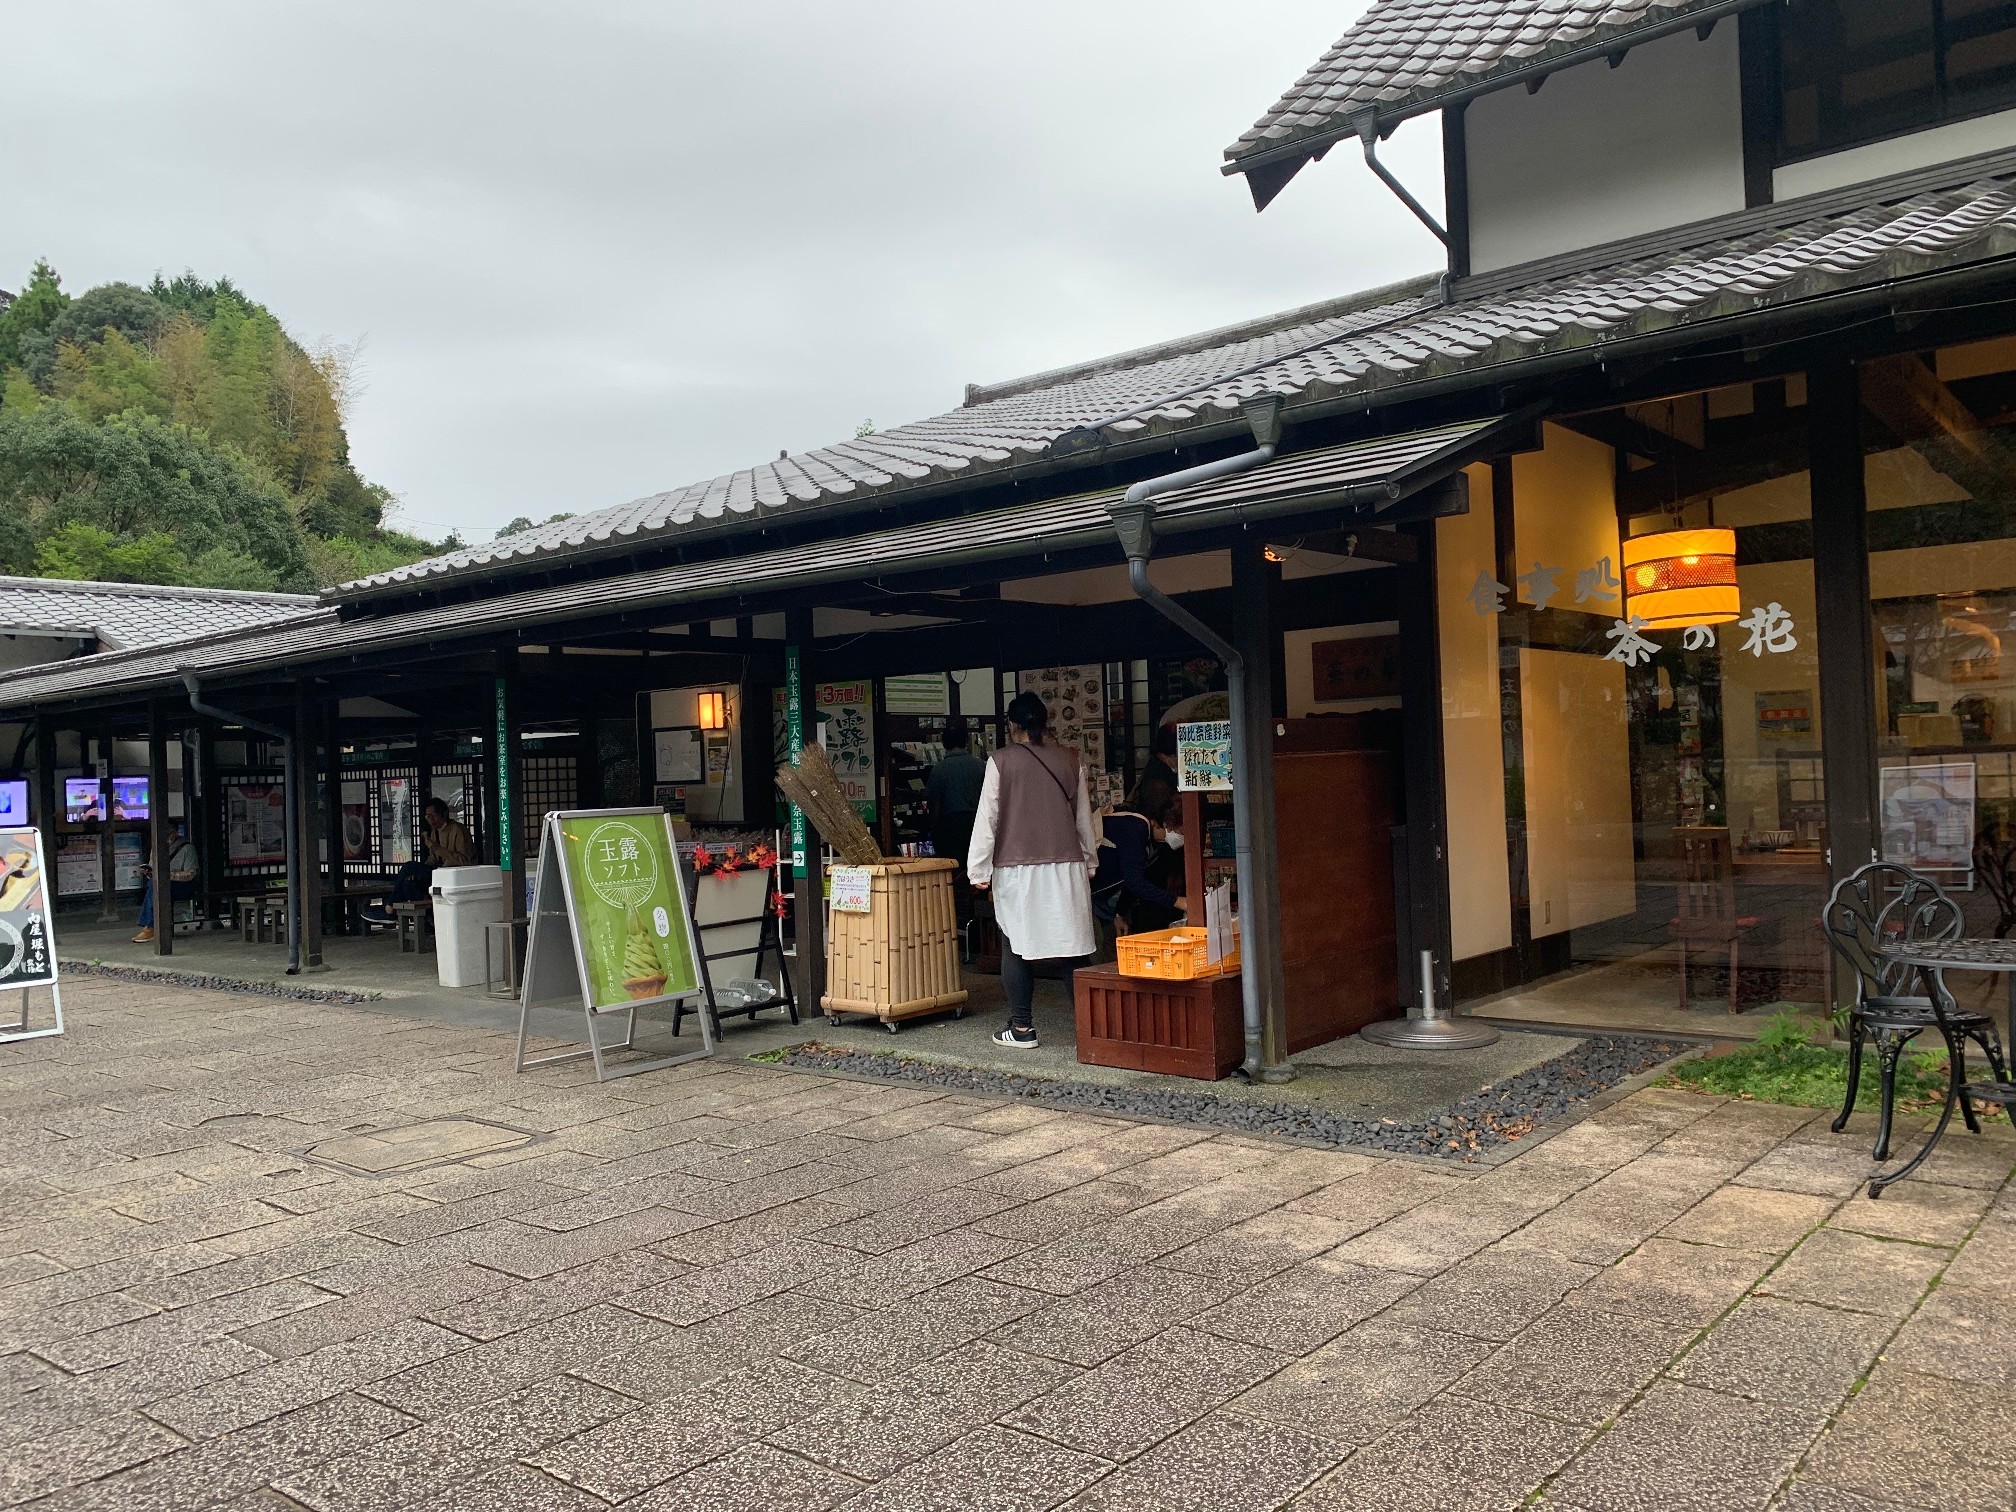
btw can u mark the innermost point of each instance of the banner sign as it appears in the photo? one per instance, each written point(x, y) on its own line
point(611, 899)
point(27, 942)
point(1204, 756)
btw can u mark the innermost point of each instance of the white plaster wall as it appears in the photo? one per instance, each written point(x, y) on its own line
point(1874, 160)
point(1603, 153)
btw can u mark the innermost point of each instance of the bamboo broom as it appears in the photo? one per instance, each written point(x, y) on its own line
point(812, 785)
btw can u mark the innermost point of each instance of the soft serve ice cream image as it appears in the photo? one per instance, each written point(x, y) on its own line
point(643, 974)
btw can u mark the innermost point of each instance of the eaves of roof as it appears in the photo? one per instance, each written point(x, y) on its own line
point(1709, 281)
point(1369, 476)
point(1405, 58)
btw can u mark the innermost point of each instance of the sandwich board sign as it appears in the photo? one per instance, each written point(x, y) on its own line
point(611, 932)
point(27, 942)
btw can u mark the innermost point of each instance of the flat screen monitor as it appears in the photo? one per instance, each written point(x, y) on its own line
point(80, 799)
point(13, 802)
point(129, 797)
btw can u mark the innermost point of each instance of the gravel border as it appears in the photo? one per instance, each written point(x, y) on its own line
point(1495, 1115)
point(208, 983)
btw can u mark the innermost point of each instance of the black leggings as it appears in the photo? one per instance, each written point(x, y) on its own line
point(1019, 983)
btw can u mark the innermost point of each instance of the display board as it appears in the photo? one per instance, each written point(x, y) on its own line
point(27, 938)
point(1928, 816)
point(1204, 756)
point(611, 930)
point(255, 823)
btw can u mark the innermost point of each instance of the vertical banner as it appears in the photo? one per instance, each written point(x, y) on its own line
point(794, 734)
point(506, 818)
point(27, 942)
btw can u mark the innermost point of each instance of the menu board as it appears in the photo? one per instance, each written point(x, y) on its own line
point(255, 823)
point(1076, 698)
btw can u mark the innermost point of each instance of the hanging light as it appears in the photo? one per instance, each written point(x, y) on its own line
point(1681, 577)
point(714, 711)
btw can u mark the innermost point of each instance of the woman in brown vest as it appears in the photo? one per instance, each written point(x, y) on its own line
point(1035, 849)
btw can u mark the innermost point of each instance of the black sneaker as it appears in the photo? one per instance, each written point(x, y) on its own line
point(1017, 1039)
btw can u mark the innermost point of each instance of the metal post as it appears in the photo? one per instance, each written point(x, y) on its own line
point(1254, 633)
point(162, 839)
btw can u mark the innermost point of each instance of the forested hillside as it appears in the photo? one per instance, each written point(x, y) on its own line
point(177, 434)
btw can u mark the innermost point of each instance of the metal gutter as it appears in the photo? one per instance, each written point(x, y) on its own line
point(1134, 521)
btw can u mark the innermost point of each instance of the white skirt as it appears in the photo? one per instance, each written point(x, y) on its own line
point(1045, 911)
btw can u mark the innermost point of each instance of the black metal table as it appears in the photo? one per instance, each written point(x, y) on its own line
point(1931, 959)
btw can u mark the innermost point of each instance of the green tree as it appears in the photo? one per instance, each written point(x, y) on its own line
point(85, 553)
point(26, 324)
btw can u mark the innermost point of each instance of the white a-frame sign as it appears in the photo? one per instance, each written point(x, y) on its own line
point(612, 932)
point(27, 941)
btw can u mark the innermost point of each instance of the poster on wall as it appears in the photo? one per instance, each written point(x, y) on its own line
point(677, 755)
point(1785, 716)
point(255, 823)
point(921, 693)
point(845, 714)
point(356, 821)
point(1076, 698)
point(76, 867)
point(1363, 666)
point(395, 819)
point(1204, 756)
point(720, 751)
point(1928, 816)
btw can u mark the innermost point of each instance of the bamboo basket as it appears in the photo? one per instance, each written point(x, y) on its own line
point(900, 959)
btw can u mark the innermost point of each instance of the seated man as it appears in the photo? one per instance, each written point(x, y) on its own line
point(184, 880)
point(446, 843)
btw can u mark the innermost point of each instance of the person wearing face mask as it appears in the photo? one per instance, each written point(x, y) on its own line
point(1134, 837)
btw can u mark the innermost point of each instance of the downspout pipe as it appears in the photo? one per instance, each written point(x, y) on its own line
point(293, 783)
point(1134, 520)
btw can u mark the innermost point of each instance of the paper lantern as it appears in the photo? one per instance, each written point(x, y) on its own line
point(1681, 577)
point(713, 711)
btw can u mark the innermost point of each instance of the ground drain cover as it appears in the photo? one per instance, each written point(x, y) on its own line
point(439, 1141)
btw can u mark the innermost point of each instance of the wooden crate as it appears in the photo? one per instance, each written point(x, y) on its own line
point(1192, 1028)
point(901, 958)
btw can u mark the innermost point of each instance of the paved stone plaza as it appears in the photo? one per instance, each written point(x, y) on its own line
point(263, 1254)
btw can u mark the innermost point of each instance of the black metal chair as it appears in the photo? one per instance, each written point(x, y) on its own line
point(1886, 904)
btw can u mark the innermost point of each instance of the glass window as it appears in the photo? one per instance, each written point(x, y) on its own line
point(1665, 805)
point(1858, 70)
point(1941, 476)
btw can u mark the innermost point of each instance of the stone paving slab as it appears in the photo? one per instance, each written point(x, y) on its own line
point(734, 1285)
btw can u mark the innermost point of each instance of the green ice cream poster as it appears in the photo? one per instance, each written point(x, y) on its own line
point(629, 906)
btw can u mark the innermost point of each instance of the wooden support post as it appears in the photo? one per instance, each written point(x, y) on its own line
point(508, 762)
point(1846, 638)
point(307, 857)
point(108, 846)
point(1257, 640)
point(48, 807)
point(808, 909)
point(332, 815)
point(162, 837)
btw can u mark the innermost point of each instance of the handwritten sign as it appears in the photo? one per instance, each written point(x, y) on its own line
point(1204, 756)
point(853, 889)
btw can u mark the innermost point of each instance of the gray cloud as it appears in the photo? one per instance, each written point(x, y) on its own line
point(598, 250)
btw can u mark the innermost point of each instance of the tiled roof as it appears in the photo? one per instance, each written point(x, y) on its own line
point(124, 615)
point(1407, 56)
point(1756, 261)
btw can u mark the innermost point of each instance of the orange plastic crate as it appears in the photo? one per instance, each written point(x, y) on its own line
point(1172, 955)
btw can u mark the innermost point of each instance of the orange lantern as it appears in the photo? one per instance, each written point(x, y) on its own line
point(1681, 577)
point(713, 711)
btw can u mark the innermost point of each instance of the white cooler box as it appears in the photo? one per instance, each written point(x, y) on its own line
point(465, 899)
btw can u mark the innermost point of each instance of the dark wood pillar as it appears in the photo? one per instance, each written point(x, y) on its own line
point(332, 809)
point(1426, 926)
point(808, 907)
point(48, 809)
point(1846, 637)
point(508, 762)
point(307, 819)
point(1258, 641)
point(161, 842)
point(108, 852)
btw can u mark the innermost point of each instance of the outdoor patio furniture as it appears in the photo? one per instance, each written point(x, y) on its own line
point(414, 922)
point(1707, 914)
point(1890, 923)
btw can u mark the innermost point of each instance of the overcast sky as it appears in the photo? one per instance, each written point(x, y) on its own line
point(599, 249)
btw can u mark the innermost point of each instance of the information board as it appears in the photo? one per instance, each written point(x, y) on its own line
point(853, 890)
point(1204, 756)
point(27, 939)
point(612, 929)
